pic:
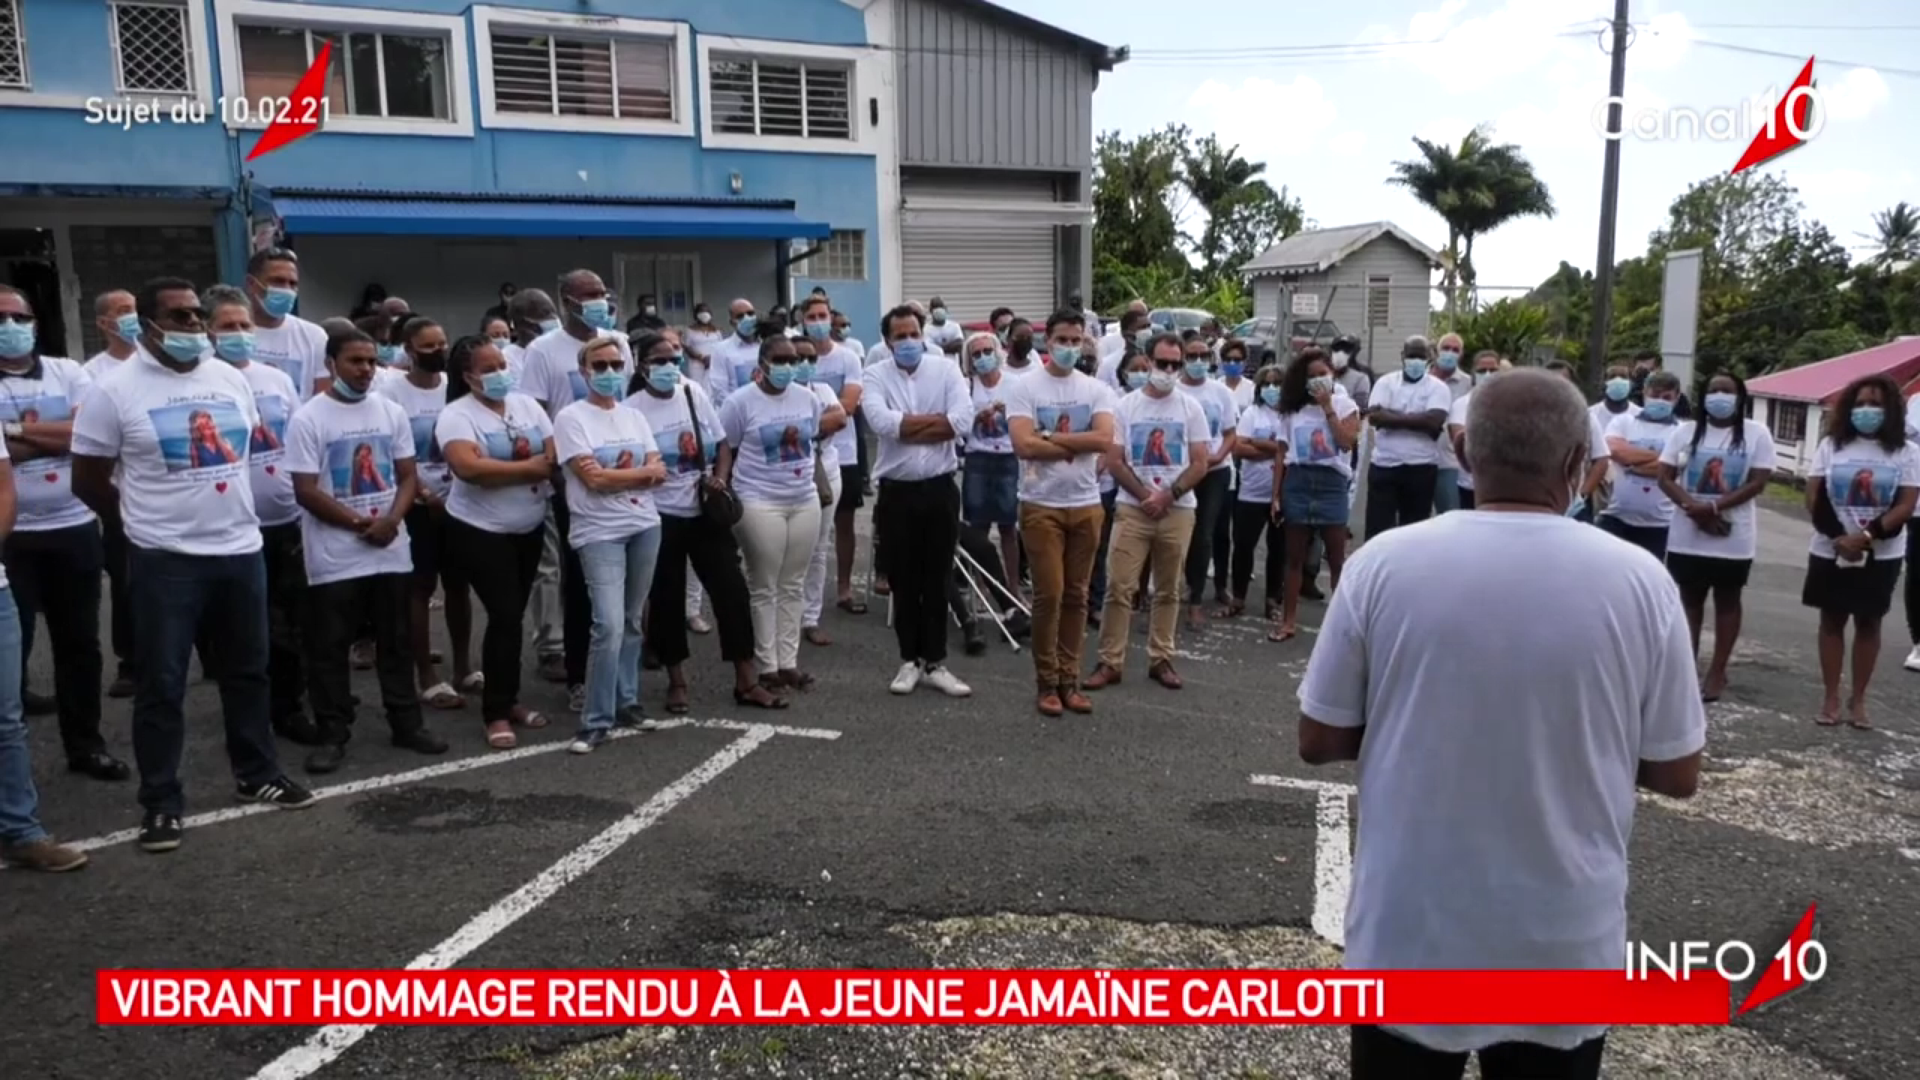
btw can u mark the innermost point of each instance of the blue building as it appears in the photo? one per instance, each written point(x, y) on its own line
point(687, 149)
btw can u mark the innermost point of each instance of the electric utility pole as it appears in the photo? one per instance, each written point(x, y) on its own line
point(1609, 201)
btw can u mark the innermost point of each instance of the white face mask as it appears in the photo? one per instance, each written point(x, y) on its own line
point(1340, 361)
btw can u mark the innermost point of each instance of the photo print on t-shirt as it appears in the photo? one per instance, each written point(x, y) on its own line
point(1071, 419)
point(993, 427)
point(360, 465)
point(616, 457)
point(1865, 489)
point(1212, 409)
point(270, 434)
point(680, 450)
point(513, 444)
point(1158, 445)
point(426, 447)
point(41, 409)
point(1315, 441)
point(787, 443)
point(195, 435)
point(1716, 472)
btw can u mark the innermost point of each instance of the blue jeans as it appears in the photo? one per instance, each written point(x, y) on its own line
point(1446, 491)
point(618, 574)
point(177, 595)
point(19, 802)
point(1097, 588)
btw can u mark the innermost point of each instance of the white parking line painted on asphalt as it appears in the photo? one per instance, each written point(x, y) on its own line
point(448, 768)
point(1332, 852)
point(329, 1043)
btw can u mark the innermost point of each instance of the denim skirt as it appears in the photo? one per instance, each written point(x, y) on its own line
point(1314, 496)
point(990, 489)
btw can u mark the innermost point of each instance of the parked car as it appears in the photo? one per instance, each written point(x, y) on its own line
point(1179, 320)
point(1260, 334)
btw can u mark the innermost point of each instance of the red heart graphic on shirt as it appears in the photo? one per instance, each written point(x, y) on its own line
point(1156, 481)
point(221, 487)
point(53, 478)
point(635, 502)
point(373, 511)
point(269, 470)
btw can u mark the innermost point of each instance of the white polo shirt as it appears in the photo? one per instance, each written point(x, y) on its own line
point(1394, 393)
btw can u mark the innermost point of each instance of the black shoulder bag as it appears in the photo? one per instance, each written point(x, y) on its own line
point(717, 504)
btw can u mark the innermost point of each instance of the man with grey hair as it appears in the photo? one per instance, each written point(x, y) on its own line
point(1408, 411)
point(1446, 485)
point(1572, 702)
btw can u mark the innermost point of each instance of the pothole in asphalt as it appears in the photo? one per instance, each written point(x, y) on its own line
point(1080, 1053)
point(427, 811)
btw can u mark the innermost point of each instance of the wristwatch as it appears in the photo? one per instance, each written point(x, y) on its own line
point(13, 429)
point(1047, 434)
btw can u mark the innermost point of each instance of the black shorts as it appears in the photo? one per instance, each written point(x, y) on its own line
point(1701, 573)
point(1864, 592)
point(427, 532)
point(853, 483)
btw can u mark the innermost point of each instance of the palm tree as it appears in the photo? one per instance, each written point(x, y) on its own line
point(1219, 179)
point(1897, 231)
point(1475, 187)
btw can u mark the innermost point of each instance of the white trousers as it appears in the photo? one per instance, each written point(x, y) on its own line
point(777, 541)
point(822, 560)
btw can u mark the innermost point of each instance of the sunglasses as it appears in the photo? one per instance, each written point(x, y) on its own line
point(20, 318)
point(606, 365)
point(1169, 365)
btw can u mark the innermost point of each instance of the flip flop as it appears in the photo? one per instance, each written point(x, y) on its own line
point(677, 699)
point(764, 699)
point(531, 719)
point(1860, 724)
point(501, 738)
point(1281, 633)
point(852, 606)
point(1233, 610)
point(816, 637)
point(1827, 720)
point(442, 696)
point(475, 682)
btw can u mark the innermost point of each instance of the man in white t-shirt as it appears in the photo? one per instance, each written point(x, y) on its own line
point(530, 314)
point(1486, 365)
point(1134, 328)
point(54, 555)
point(1408, 410)
point(177, 424)
point(1214, 499)
point(280, 338)
point(1446, 485)
point(113, 313)
point(1061, 421)
point(1158, 457)
point(943, 333)
point(1570, 704)
point(839, 367)
point(1582, 509)
point(732, 359)
point(351, 455)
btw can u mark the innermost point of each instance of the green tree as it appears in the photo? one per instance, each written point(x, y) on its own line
point(1135, 184)
point(1897, 231)
point(1475, 187)
point(1513, 328)
point(1244, 215)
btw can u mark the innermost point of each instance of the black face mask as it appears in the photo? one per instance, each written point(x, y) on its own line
point(1020, 346)
point(435, 361)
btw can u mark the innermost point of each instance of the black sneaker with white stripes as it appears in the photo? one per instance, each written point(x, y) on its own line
point(160, 832)
point(280, 792)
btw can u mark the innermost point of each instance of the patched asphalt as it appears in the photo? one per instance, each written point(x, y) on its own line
point(941, 833)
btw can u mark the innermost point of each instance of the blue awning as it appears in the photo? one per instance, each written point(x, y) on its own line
point(339, 215)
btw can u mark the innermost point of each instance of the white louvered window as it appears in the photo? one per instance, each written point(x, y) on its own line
point(152, 48)
point(1379, 299)
point(618, 78)
point(792, 99)
point(395, 76)
point(842, 258)
point(13, 47)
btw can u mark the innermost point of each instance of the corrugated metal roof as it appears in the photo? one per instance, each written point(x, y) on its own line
point(1104, 56)
point(1320, 250)
point(1820, 382)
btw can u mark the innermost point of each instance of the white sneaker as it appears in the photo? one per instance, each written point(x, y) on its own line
point(946, 682)
point(1913, 659)
point(907, 679)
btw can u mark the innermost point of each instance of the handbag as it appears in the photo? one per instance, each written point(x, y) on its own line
point(718, 505)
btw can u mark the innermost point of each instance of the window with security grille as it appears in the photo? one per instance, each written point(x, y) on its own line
point(781, 98)
point(371, 74)
point(842, 258)
point(153, 52)
point(13, 47)
point(618, 78)
point(1379, 299)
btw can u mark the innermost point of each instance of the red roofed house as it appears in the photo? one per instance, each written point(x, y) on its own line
point(1793, 403)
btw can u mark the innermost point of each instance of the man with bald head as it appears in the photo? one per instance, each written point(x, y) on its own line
point(732, 360)
point(530, 313)
point(113, 313)
point(1408, 411)
point(1572, 701)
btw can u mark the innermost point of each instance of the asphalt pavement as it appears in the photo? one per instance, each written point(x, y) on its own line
point(874, 831)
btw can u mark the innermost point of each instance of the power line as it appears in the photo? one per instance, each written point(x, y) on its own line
point(1913, 73)
point(1816, 27)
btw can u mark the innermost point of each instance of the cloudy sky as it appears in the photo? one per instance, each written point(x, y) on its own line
point(1329, 95)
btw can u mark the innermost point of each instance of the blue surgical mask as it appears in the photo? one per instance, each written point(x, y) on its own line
point(548, 326)
point(1414, 370)
point(663, 377)
point(1657, 410)
point(16, 339)
point(1063, 357)
point(1449, 360)
point(939, 315)
point(500, 342)
point(804, 371)
point(986, 363)
point(1197, 369)
point(278, 302)
point(608, 383)
point(597, 314)
point(779, 375)
point(1141, 337)
point(745, 325)
point(1618, 389)
point(1720, 406)
point(389, 355)
point(818, 331)
point(1270, 396)
point(907, 353)
point(234, 348)
point(1320, 383)
point(183, 348)
point(1136, 379)
point(1868, 418)
point(347, 393)
point(496, 385)
point(680, 362)
point(1232, 369)
point(1482, 378)
point(127, 327)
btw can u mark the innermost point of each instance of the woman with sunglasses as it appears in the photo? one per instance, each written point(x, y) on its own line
point(498, 444)
point(693, 449)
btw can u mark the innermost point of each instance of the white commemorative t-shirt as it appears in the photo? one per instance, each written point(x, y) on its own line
point(1242, 394)
point(423, 408)
point(1863, 482)
point(1638, 500)
point(1459, 385)
point(517, 436)
point(101, 364)
point(1309, 437)
point(1457, 418)
point(297, 347)
point(698, 344)
point(829, 449)
point(275, 399)
point(1156, 433)
point(940, 335)
point(1064, 405)
point(181, 439)
point(1605, 417)
point(1716, 469)
point(772, 437)
point(682, 449)
point(550, 373)
point(617, 438)
point(838, 368)
point(1394, 393)
point(732, 365)
point(351, 448)
point(991, 436)
point(48, 393)
point(1256, 477)
point(516, 358)
point(1216, 401)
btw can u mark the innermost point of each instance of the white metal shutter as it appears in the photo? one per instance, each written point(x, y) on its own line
point(978, 269)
